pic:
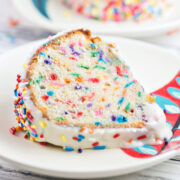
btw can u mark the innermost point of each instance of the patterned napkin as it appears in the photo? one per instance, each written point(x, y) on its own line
point(168, 98)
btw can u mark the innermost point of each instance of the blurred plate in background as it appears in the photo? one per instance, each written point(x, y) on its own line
point(53, 16)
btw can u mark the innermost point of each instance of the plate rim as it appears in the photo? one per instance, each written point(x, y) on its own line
point(93, 174)
point(158, 29)
point(110, 172)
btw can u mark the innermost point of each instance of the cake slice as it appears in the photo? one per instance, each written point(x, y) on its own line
point(78, 93)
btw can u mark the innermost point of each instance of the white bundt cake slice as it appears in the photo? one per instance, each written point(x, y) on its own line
point(78, 93)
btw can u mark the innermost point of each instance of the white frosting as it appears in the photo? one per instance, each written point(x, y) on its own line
point(156, 120)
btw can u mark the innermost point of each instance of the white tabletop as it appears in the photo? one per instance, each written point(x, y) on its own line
point(11, 37)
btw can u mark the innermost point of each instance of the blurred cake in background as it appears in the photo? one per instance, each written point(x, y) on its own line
point(119, 10)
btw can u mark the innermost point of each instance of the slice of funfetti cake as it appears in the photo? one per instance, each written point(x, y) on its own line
point(78, 93)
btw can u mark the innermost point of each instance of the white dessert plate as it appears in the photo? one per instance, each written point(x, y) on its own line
point(153, 67)
point(53, 16)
